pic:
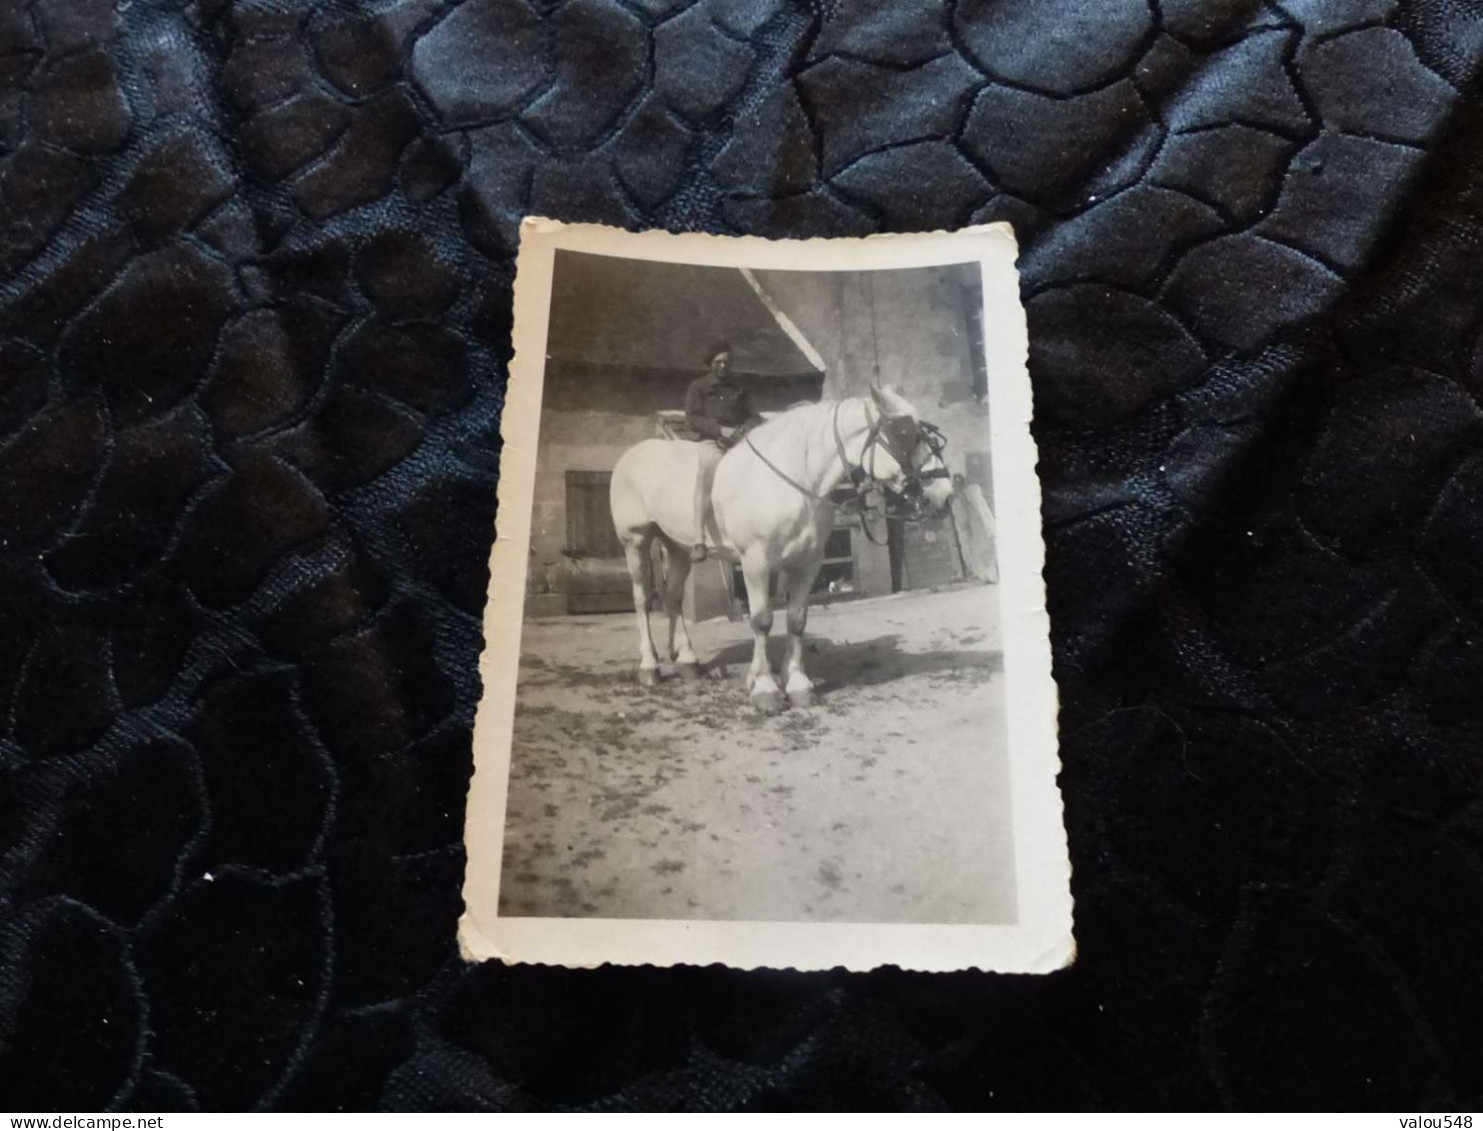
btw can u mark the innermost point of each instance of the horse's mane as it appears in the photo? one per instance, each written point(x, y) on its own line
point(792, 416)
point(795, 414)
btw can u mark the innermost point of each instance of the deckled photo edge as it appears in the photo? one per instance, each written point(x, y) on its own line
point(520, 420)
point(1041, 941)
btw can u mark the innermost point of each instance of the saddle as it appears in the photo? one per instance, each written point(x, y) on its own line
point(670, 424)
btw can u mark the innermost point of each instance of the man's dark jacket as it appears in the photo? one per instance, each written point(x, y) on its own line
point(712, 404)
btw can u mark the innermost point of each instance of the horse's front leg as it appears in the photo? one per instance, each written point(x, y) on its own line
point(800, 582)
point(761, 685)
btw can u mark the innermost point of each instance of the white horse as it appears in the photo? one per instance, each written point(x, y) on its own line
point(771, 510)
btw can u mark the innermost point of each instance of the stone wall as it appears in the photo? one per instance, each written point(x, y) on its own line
point(909, 329)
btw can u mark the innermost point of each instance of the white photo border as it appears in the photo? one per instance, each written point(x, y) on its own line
point(1041, 940)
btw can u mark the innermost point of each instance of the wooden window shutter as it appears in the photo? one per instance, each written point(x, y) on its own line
point(589, 522)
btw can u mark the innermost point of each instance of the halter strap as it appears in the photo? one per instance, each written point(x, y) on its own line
point(857, 473)
point(859, 476)
point(783, 475)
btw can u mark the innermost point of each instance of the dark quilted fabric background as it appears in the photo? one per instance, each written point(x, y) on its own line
point(255, 271)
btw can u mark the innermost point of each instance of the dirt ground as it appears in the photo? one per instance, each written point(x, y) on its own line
point(886, 802)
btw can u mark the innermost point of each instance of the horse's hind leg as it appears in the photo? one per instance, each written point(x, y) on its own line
point(676, 571)
point(636, 550)
point(760, 682)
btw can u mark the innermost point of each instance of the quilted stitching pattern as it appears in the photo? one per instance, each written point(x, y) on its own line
point(255, 270)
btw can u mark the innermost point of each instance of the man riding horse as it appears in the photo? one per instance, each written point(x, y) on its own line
point(719, 411)
point(772, 510)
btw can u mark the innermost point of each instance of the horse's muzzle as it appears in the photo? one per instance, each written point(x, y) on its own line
point(914, 501)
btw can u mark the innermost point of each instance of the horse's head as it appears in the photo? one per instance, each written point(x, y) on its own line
point(906, 457)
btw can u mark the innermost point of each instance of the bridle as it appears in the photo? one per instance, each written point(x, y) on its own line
point(900, 436)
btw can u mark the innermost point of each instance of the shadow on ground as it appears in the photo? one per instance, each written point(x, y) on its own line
point(869, 663)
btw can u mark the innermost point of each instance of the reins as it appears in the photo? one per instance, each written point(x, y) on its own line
point(783, 475)
point(864, 481)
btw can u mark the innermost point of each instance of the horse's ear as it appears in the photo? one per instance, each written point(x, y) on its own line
point(890, 402)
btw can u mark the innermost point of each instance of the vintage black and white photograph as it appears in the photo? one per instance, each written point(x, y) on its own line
point(752, 665)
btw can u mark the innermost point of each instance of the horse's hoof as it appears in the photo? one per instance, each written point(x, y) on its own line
point(803, 698)
point(648, 677)
point(769, 702)
point(688, 671)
